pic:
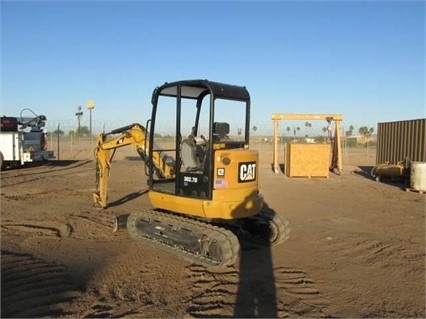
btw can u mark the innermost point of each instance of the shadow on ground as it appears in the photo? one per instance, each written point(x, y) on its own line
point(128, 198)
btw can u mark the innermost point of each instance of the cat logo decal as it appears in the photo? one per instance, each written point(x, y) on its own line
point(246, 172)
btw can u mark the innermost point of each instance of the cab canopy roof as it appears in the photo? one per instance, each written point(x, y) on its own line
point(193, 89)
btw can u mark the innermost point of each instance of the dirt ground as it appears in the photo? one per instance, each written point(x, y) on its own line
point(357, 249)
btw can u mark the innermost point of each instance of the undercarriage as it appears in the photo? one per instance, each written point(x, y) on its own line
point(213, 244)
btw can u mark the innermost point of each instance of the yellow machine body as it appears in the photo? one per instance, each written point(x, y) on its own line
point(213, 177)
point(233, 197)
point(235, 191)
point(388, 170)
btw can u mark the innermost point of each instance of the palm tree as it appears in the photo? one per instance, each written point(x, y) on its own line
point(350, 131)
point(308, 125)
point(365, 131)
point(294, 132)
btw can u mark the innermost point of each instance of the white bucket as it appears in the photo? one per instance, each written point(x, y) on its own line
point(418, 176)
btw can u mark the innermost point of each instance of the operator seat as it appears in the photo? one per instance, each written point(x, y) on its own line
point(188, 151)
point(220, 131)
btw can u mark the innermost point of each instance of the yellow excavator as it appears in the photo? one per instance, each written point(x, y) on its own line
point(202, 179)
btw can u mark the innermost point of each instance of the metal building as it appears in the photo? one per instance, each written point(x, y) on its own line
point(397, 141)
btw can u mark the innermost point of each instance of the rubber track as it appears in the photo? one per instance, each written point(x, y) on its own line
point(227, 240)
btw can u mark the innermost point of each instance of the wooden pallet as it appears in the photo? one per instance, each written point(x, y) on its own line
point(414, 190)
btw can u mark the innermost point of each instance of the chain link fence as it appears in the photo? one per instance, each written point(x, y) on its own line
point(69, 147)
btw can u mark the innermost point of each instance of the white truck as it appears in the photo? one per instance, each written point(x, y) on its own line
point(18, 145)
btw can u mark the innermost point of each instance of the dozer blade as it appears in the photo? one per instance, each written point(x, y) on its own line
point(120, 222)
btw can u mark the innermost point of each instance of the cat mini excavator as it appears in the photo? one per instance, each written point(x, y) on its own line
point(203, 180)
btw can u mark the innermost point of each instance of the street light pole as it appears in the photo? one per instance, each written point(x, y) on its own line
point(90, 107)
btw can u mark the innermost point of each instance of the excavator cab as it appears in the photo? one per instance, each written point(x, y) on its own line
point(202, 176)
point(207, 124)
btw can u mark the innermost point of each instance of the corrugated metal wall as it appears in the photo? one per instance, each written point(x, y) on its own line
point(398, 140)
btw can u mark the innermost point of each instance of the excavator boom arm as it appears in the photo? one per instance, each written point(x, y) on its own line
point(135, 135)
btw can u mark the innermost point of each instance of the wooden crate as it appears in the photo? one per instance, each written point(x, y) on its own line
point(307, 160)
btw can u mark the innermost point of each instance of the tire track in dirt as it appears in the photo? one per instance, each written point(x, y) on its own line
point(32, 287)
point(375, 260)
point(136, 284)
point(38, 196)
point(374, 253)
point(219, 294)
point(298, 295)
point(36, 229)
point(93, 224)
point(213, 294)
point(84, 225)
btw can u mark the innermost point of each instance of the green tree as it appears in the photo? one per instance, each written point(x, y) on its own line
point(308, 125)
point(320, 139)
point(351, 142)
point(58, 132)
point(83, 131)
point(366, 133)
point(350, 131)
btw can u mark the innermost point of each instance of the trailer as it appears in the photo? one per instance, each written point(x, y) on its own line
point(23, 140)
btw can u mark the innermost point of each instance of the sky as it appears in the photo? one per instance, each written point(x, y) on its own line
point(362, 59)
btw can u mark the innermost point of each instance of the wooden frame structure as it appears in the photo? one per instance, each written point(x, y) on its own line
point(336, 160)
